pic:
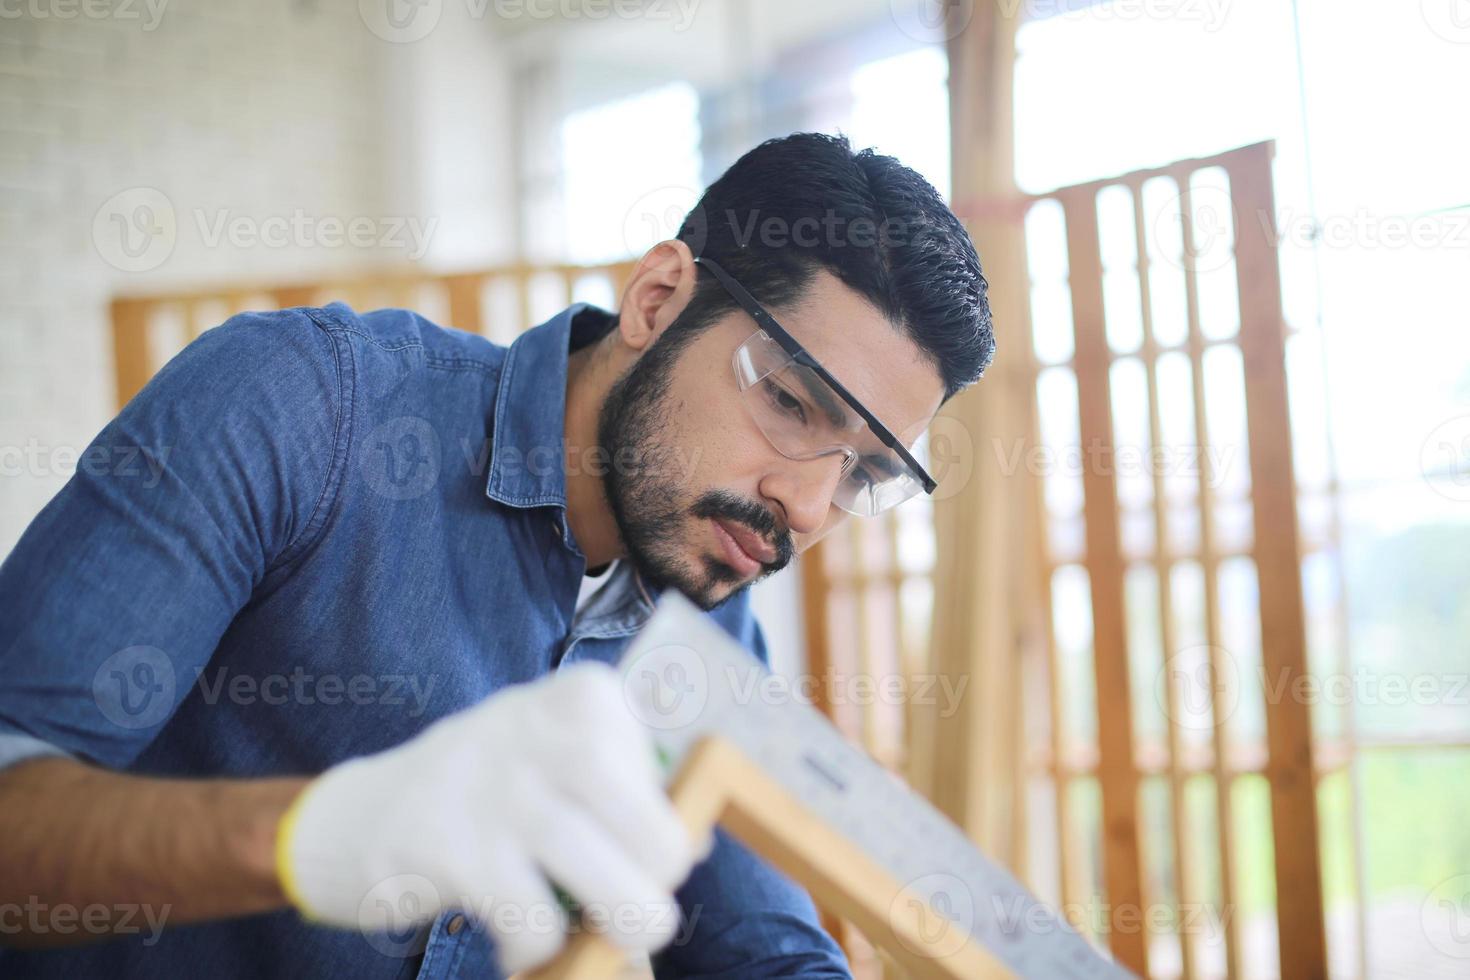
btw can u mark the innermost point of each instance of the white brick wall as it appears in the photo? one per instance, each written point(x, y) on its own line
point(245, 110)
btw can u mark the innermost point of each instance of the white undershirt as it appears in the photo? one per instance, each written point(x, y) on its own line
point(591, 583)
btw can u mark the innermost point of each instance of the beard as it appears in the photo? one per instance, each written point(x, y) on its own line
point(649, 499)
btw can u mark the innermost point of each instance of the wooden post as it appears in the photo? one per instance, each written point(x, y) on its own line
point(291, 296)
point(1289, 764)
point(464, 303)
point(1116, 770)
point(131, 356)
point(984, 603)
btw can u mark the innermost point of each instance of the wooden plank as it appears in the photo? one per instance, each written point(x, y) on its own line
point(814, 588)
point(288, 297)
point(908, 661)
point(132, 358)
point(1117, 775)
point(1283, 627)
point(982, 603)
point(464, 302)
point(1069, 886)
point(866, 658)
point(1182, 864)
point(1068, 863)
point(620, 274)
point(1210, 557)
point(718, 784)
point(522, 276)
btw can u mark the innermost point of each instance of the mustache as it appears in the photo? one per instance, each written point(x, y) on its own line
point(731, 507)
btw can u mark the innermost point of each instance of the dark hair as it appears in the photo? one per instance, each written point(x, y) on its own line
point(806, 202)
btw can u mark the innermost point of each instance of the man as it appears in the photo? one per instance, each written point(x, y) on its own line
point(310, 694)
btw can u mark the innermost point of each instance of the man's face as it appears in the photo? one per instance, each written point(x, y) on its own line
point(698, 479)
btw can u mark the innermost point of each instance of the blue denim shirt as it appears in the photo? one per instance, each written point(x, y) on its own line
point(312, 534)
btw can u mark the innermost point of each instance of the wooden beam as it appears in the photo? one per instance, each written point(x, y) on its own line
point(1183, 877)
point(464, 302)
point(1117, 774)
point(132, 357)
point(814, 588)
point(1289, 768)
point(288, 297)
point(984, 600)
point(1209, 560)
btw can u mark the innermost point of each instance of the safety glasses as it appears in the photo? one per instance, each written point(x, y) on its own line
point(805, 413)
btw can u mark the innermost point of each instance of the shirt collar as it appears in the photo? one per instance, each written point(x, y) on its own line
point(528, 458)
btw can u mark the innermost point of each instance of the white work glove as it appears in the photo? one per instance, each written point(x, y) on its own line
point(554, 779)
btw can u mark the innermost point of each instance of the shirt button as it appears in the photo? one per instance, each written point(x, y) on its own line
point(455, 925)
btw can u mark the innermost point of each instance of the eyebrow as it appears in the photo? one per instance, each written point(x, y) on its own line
point(824, 396)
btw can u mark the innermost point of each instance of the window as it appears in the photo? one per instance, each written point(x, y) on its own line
point(900, 105)
point(631, 170)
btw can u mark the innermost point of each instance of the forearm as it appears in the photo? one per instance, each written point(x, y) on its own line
point(86, 840)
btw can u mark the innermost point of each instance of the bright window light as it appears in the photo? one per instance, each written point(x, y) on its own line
point(631, 170)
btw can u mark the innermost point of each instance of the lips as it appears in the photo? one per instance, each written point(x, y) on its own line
point(749, 542)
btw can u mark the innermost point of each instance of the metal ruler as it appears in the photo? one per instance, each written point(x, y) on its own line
point(685, 678)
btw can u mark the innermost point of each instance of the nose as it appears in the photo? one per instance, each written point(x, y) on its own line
point(804, 489)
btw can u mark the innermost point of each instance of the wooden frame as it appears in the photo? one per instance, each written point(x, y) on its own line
point(717, 784)
point(1287, 759)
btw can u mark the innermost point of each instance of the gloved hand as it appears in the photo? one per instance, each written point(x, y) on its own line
point(553, 779)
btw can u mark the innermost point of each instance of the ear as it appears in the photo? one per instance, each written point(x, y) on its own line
point(658, 291)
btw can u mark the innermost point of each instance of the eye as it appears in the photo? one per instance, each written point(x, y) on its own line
point(873, 470)
point(865, 473)
point(788, 403)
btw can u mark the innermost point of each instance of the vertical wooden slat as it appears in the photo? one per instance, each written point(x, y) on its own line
point(523, 276)
point(1069, 886)
point(904, 659)
point(131, 357)
point(464, 302)
point(290, 296)
point(620, 274)
point(1117, 775)
point(866, 658)
point(1209, 565)
point(1162, 566)
point(1289, 764)
point(403, 294)
point(190, 312)
point(1067, 862)
point(568, 279)
point(814, 590)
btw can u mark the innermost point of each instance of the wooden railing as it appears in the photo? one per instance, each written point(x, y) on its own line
point(498, 302)
point(1166, 535)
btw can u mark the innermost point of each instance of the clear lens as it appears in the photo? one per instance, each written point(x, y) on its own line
point(804, 418)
